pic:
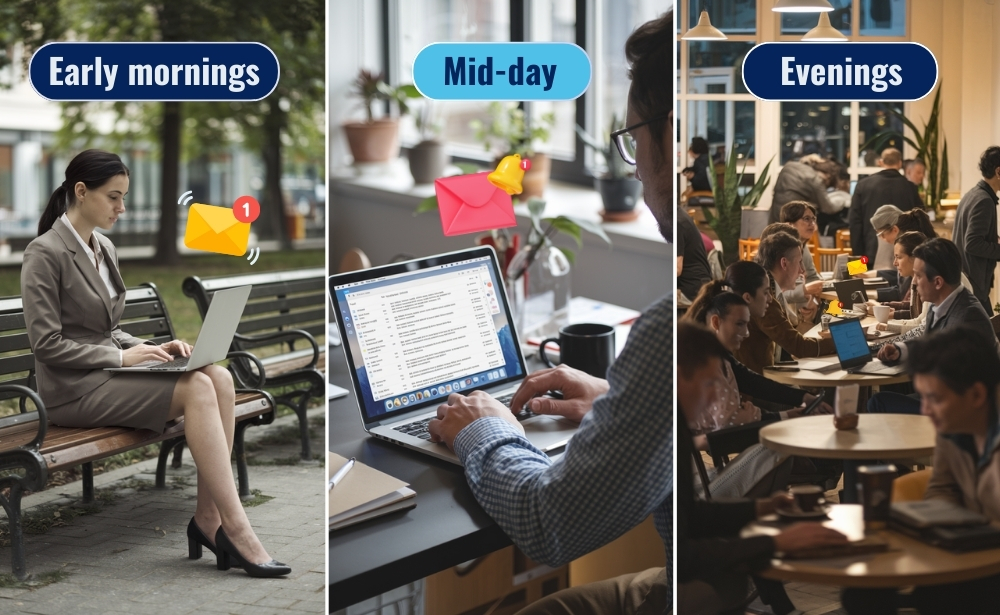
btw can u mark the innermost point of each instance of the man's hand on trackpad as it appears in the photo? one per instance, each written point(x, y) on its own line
point(579, 391)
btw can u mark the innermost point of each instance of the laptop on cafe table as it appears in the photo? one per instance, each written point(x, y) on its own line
point(418, 331)
point(854, 353)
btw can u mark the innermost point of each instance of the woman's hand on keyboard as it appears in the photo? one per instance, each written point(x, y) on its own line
point(579, 390)
point(177, 348)
point(461, 411)
point(142, 353)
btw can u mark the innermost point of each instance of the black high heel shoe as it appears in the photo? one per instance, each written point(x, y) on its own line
point(197, 539)
point(228, 556)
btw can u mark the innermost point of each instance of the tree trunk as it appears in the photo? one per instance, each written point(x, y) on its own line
point(273, 201)
point(166, 239)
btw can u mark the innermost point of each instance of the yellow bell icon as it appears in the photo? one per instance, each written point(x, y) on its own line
point(509, 174)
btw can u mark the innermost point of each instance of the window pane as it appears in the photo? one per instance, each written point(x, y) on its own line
point(555, 21)
point(815, 128)
point(800, 23)
point(723, 123)
point(7, 177)
point(883, 17)
point(716, 67)
point(422, 22)
point(732, 16)
point(873, 121)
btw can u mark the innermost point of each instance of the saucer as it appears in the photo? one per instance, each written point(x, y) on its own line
point(796, 514)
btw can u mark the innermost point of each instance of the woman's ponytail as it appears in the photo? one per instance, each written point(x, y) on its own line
point(94, 168)
point(54, 210)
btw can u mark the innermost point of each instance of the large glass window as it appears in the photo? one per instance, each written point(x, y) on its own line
point(883, 17)
point(712, 64)
point(815, 128)
point(722, 123)
point(873, 121)
point(555, 21)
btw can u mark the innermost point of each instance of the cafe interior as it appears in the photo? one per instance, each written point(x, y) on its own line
point(732, 144)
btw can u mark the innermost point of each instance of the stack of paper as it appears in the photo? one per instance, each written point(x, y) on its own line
point(365, 493)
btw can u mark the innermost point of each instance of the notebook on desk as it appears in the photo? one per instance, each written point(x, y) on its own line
point(364, 493)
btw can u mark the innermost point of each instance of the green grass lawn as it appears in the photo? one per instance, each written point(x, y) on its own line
point(183, 311)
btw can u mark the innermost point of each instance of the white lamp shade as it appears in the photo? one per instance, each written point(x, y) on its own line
point(801, 6)
point(704, 31)
point(824, 31)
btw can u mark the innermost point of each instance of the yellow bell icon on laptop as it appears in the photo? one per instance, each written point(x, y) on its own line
point(216, 229)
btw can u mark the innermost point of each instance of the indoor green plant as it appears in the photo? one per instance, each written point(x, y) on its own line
point(931, 147)
point(729, 204)
point(376, 140)
point(506, 132)
point(427, 158)
point(616, 182)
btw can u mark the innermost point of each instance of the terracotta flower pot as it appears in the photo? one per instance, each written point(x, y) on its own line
point(536, 179)
point(373, 141)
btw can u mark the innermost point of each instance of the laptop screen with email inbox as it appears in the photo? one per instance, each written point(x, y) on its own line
point(416, 336)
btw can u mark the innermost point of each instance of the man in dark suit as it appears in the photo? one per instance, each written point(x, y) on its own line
point(887, 187)
point(976, 228)
point(937, 274)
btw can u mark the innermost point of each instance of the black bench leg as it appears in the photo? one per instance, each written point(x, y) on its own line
point(12, 504)
point(88, 482)
point(241, 461)
point(178, 454)
point(161, 463)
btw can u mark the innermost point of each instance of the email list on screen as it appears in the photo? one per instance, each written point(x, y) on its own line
point(420, 336)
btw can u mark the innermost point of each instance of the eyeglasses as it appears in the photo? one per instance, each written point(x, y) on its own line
point(625, 142)
point(808, 219)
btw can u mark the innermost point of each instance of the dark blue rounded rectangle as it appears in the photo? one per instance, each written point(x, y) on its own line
point(154, 71)
point(840, 71)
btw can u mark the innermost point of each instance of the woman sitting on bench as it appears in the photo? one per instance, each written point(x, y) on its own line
point(74, 298)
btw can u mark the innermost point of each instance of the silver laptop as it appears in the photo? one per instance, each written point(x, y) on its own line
point(418, 331)
point(213, 340)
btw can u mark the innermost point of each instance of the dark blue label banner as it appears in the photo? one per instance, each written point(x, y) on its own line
point(840, 71)
point(154, 71)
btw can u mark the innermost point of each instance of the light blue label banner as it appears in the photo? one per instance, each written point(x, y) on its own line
point(502, 71)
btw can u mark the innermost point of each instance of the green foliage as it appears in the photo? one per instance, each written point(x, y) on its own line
point(506, 131)
point(371, 87)
point(931, 146)
point(615, 166)
point(729, 205)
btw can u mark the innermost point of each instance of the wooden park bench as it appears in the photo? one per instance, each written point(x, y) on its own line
point(285, 313)
point(30, 448)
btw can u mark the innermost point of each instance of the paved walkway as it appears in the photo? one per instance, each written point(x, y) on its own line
point(131, 556)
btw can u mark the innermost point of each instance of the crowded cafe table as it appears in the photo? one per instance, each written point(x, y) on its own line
point(877, 437)
point(904, 562)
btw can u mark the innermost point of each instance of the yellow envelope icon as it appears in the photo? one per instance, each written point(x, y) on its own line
point(216, 229)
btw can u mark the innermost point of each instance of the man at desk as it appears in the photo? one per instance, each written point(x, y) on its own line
point(618, 468)
point(957, 374)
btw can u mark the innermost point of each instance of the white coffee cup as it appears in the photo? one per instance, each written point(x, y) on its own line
point(882, 313)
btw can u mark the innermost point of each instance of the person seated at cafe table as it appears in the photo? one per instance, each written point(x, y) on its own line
point(713, 563)
point(804, 298)
point(937, 274)
point(780, 254)
point(957, 373)
point(727, 314)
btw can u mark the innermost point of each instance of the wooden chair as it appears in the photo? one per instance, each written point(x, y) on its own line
point(843, 238)
point(748, 249)
point(826, 258)
point(911, 487)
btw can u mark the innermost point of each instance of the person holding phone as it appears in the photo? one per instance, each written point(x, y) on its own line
point(74, 297)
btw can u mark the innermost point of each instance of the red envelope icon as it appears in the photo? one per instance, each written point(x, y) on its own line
point(471, 204)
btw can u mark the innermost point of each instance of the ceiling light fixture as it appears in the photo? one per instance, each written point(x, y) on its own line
point(704, 31)
point(824, 31)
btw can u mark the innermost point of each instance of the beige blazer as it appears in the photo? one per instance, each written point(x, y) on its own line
point(72, 323)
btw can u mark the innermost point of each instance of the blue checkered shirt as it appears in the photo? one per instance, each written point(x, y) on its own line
point(617, 469)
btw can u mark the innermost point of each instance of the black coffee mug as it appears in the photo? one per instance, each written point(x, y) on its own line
point(587, 347)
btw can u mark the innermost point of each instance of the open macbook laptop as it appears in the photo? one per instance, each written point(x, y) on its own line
point(213, 340)
point(853, 350)
point(417, 331)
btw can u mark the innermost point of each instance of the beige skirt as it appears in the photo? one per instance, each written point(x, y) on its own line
point(134, 400)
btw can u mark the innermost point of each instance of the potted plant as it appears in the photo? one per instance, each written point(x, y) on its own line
point(427, 158)
point(926, 143)
point(616, 182)
point(506, 132)
point(376, 140)
point(729, 204)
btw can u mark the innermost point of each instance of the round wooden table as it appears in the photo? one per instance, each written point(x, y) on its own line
point(809, 378)
point(877, 437)
point(907, 561)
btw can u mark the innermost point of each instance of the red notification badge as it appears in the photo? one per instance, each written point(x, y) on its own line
point(246, 209)
point(525, 165)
